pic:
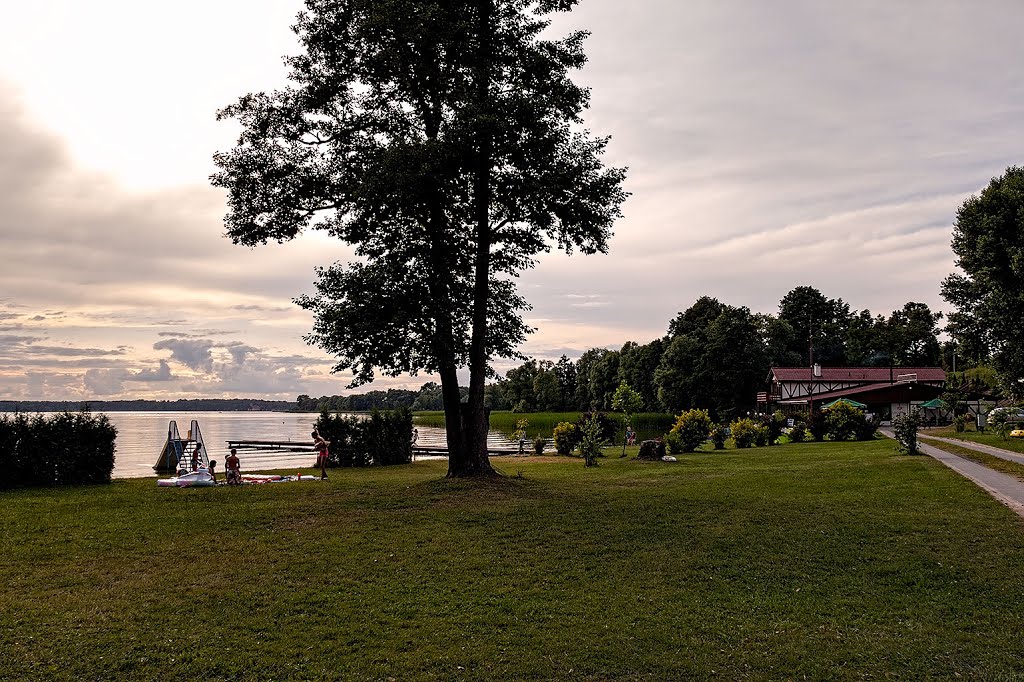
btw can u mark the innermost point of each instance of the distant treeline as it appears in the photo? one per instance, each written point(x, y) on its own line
point(426, 398)
point(181, 405)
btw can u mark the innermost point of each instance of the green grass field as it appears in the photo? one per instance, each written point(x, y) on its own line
point(647, 424)
point(996, 463)
point(826, 561)
point(985, 438)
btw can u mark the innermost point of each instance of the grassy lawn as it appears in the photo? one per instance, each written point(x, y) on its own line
point(986, 438)
point(826, 561)
point(997, 463)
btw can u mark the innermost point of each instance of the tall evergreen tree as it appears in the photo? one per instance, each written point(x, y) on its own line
point(442, 139)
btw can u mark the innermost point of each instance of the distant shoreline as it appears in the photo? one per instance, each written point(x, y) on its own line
point(182, 405)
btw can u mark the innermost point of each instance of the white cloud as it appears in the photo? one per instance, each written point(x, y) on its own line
point(769, 146)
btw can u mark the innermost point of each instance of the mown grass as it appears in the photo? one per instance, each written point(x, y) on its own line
point(985, 438)
point(983, 458)
point(647, 424)
point(828, 561)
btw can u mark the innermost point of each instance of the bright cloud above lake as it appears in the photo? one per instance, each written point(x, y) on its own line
point(770, 145)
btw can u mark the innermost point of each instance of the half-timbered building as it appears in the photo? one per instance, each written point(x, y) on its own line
point(887, 391)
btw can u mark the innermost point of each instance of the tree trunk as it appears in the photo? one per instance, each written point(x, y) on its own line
point(475, 422)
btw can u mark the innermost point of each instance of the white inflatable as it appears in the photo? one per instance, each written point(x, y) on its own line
point(196, 479)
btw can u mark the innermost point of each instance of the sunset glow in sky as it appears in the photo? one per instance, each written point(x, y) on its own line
point(770, 145)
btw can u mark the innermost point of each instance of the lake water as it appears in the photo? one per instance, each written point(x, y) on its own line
point(141, 437)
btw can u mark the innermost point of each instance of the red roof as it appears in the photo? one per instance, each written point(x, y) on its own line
point(857, 374)
point(871, 393)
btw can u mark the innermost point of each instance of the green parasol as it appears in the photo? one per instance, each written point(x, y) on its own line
point(847, 401)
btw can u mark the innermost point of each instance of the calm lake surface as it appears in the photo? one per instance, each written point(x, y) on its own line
point(141, 437)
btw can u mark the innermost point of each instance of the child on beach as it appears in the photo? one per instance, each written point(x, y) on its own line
point(234, 468)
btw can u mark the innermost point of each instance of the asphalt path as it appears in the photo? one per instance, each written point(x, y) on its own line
point(1003, 487)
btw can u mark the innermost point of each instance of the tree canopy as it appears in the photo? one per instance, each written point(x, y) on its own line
point(443, 140)
point(988, 240)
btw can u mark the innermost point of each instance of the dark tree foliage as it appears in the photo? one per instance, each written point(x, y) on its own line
point(442, 139)
point(988, 240)
point(590, 390)
point(565, 370)
point(546, 389)
point(718, 366)
point(637, 365)
point(865, 343)
point(697, 317)
point(819, 319)
point(912, 336)
point(518, 387)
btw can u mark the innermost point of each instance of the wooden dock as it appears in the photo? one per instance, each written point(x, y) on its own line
point(431, 447)
point(271, 446)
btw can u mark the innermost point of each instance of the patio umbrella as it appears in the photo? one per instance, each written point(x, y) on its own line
point(935, 404)
point(848, 401)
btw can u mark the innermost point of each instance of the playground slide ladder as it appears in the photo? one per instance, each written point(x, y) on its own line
point(178, 452)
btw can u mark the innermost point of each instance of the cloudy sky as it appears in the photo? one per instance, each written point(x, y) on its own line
point(770, 145)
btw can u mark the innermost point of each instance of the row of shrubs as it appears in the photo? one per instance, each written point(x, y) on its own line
point(694, 427)
point(63, 449)
point(841, 422)
point(383, 438)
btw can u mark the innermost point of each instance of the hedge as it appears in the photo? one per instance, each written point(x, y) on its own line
point(64, 449)
point(385, 437)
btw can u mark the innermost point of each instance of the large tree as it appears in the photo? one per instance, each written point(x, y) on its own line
point(988, 240)
point(912, 335)
point(818, 321)
point(443, 140)
point(717, 365)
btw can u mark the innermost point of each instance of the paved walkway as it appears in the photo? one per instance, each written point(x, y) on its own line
point(1003, 487)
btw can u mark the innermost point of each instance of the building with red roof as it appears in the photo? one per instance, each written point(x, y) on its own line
point(887, 391)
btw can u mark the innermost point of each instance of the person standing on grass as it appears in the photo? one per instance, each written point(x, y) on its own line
point(234, 468)
point(321, 445)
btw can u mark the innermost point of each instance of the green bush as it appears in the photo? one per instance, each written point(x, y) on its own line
point(842, 421)
point(674, 443)
point(905, 429)
point(868, 427)
point(816, 425)
point(744, 432)
point(607, 426)
point(344, 434)
point(388, 436)
point(960, 423)
point(762, 435)
point(772, 424)
point(692, 427)
point(538, 445)
point(383, 438)
point(591, 440)
point(1001, 419)
point(64, 449)
point(718, 435)
point(567, 437)
point(798, 434)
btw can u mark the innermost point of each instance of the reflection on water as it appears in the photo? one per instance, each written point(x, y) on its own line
point(141, 437)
